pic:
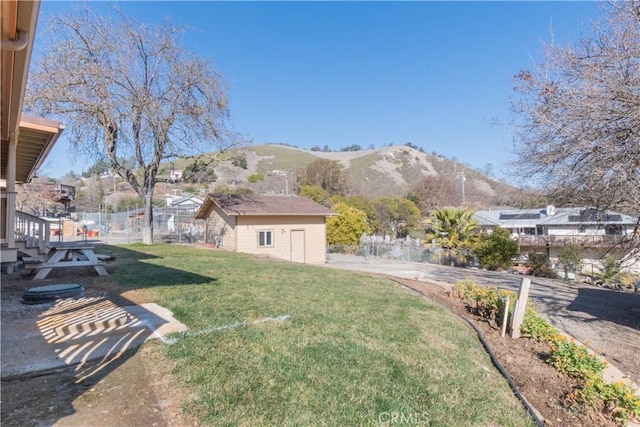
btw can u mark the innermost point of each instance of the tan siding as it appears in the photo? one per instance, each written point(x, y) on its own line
point(315, 236)
point(222, 227)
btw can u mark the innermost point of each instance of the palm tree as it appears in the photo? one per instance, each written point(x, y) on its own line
point(453, 230)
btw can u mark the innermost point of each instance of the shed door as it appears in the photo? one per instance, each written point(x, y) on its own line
point(297, 246)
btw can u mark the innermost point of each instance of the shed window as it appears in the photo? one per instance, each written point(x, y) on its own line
point(265, 238)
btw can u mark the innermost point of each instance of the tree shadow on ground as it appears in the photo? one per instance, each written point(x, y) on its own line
point(54, 354)
point(611, 305)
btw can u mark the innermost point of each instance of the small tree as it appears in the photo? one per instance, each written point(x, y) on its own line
point(610, 269)
point(454, 231)
point(324, 173)
point(395, 216)
point(199, 172)
point(434, 192)
point(239, 162)
point(496, 251)
point(570, 257)
point(347, 227)
point(540, 265)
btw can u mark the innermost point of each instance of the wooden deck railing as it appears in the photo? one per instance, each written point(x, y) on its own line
point(580, 240)
point(32, 230)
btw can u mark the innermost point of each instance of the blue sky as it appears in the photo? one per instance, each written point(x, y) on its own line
point(436, 74)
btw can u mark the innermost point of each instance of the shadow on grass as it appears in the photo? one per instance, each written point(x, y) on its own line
point(53, 354)
point(133, 272)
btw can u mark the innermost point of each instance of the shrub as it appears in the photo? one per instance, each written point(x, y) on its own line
point(487, 302)
point(573, 359)
point(566, 355)
point(536, 328)
point(496, 250)
point(256, 177)
point(618, 397)
point(540, 266)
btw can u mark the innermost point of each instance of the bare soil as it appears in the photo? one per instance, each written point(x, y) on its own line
point(140, 390)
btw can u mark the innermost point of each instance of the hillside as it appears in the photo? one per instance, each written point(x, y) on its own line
point(390, 171)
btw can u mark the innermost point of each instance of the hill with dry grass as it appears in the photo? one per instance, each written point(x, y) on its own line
point(385, 172)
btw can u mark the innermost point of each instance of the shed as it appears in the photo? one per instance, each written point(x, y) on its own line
point(286, 227)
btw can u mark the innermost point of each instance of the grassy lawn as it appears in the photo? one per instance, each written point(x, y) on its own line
point(357, 350)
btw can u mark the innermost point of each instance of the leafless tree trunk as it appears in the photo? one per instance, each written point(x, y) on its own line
point(127, 89)
point(578, 116)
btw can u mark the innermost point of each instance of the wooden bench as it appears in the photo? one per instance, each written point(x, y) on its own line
point(64, 256)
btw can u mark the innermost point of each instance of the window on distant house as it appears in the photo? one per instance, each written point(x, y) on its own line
point(265, 238)
point(613, 229)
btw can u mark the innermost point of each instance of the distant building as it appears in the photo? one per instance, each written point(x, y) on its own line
point(550, 229)
point(285, 227)
point(186, 203)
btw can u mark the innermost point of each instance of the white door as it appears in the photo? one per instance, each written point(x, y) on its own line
point(297, 246)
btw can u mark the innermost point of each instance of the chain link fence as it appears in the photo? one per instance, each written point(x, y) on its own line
point(398, 251)
point(169, 225)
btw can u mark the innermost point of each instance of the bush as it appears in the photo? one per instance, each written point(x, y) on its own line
point(574, 359)
point(256, 177)
point(618, 397)
point(540, 266)
point(496, 250)
point(487, 302)
point(536, 328)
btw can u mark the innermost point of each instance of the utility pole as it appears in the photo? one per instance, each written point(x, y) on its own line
point(462, 179)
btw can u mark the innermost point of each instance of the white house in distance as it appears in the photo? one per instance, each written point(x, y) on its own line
point(285, 227)
point(550, 229)
point(186, 203)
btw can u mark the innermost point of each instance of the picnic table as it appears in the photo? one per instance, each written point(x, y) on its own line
point(68, 255)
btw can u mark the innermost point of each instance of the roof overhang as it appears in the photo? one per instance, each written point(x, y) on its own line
point(19, 19)
point(34, 136)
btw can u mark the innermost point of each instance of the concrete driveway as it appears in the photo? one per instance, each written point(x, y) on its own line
point(606, 320)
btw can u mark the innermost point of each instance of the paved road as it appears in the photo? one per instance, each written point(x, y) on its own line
point(605, 319)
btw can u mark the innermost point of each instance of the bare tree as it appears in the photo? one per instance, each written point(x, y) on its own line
point(127, 89)
point(327, 174)
point(435, 191)
point(35, 197)
point(578, 116)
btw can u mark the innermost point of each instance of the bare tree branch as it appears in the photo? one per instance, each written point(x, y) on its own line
point(578, 116)
point(128, 89)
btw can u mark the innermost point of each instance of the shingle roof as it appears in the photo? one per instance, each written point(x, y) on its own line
point(262, 205)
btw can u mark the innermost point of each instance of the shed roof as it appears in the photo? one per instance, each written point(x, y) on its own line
point(262, 205)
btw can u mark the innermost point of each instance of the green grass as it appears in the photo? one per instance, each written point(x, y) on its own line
point(356, 350)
